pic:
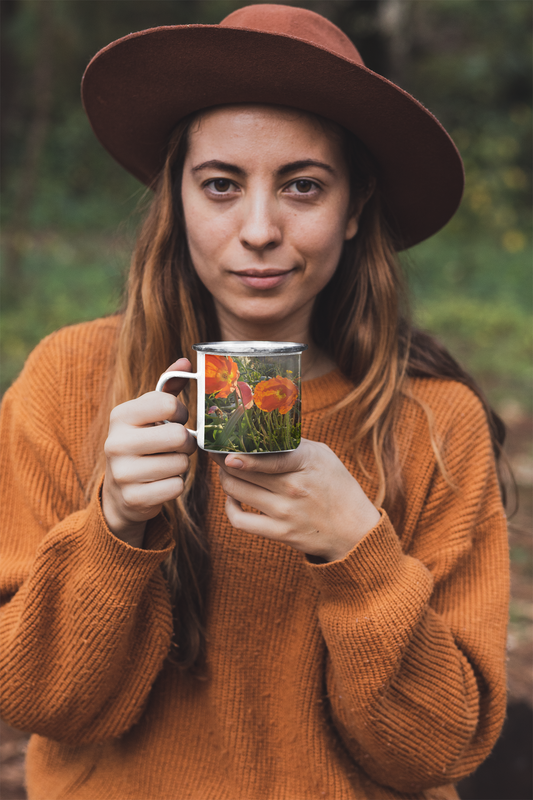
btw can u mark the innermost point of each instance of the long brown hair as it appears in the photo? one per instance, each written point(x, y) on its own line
point(360, 320)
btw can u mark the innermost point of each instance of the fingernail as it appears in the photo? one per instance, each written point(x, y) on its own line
point(235, 463)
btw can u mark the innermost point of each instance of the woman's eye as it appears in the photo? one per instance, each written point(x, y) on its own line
point(220, 185)
point(303, 186)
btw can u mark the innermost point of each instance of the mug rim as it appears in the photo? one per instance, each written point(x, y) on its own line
point(250, 348)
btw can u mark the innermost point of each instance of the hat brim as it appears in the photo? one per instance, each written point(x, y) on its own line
point(137, 89)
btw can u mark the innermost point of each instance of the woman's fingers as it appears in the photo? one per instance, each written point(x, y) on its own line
point(256, 524)
point(148, 409)
point(146, 441)
point(133, 429)
point(139, 503)
point(147, 469)
point(279, 473)
point(268, 463)
point(243, 492)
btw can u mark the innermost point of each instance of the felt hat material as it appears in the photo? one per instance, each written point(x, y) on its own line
point(137, 89)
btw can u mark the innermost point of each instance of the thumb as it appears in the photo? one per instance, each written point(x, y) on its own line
point(269, 463)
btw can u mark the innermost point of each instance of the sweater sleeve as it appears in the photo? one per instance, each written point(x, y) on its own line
point(416, 628)
point(86, 621)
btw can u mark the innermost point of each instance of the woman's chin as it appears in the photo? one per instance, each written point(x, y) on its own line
point(266, 327)
point(258, 314)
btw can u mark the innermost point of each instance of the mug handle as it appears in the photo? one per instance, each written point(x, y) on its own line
point(166, 376)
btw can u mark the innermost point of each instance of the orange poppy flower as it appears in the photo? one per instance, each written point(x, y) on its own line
point(221, 374)
point(278, 392)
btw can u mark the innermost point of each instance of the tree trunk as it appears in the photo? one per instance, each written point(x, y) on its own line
point(393, 23)
point(35, 141)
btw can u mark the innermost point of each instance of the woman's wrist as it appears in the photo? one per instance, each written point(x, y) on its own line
point(353, 531)
point(126, 530)
point(132, 534)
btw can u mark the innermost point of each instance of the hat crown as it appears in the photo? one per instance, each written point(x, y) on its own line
point(137, 89)
point(300, 23)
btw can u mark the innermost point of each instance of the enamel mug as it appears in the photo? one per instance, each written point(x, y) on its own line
point(249, 396)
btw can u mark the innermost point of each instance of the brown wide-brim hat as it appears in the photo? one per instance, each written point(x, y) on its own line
point(137, 89)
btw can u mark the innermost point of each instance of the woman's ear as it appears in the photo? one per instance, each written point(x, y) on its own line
point(352, 226)
point(352, 223)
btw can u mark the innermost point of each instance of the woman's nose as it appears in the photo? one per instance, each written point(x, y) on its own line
point(261, 226)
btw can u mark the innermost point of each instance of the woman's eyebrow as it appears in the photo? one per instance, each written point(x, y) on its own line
point(294, 166)
point(223, 166)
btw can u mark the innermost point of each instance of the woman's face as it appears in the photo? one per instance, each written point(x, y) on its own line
point(267, 209)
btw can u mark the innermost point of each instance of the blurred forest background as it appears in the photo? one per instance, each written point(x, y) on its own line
point(69, 213)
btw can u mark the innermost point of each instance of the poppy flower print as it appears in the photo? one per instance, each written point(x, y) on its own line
point(276, 393)
point(221, 375)
point(245, 393)
point(252, 403)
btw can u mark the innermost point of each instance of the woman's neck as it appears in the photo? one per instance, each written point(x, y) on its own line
point(315, 362)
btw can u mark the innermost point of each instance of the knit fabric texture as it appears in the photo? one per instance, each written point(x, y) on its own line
point(378, 676)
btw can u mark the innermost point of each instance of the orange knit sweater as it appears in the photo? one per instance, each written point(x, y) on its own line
point(378, 676)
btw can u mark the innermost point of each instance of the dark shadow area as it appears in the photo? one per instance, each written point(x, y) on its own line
point(507, 772)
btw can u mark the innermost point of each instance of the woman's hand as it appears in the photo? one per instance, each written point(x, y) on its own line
point(145, 461)
point(307, 499)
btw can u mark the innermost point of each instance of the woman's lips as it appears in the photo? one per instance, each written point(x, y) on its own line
point(267, 279)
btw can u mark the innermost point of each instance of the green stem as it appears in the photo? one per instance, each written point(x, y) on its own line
point(288, 430)
point(251, 429)
point(274, 443)
point(265, 437)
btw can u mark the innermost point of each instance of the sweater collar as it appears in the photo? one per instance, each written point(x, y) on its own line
point(325, 391)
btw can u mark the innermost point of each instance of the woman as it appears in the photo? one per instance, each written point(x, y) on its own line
point(162, 638)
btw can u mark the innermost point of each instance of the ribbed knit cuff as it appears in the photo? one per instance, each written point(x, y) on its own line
point(375, 564)
point(158, 539)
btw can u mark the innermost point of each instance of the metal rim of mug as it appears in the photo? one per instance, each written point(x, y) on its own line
point(250, 348)
point(249, 452)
